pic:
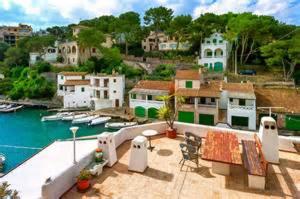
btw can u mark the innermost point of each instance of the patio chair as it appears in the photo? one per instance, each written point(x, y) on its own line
point(189, 153)
point(193, 140)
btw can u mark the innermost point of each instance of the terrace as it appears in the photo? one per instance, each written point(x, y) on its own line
point(164, 178)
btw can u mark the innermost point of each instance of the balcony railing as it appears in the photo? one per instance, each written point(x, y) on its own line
point(239, 107)
point(146, 101)
point(208, 105)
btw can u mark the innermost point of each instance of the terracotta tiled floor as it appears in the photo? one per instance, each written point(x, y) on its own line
point(164, 178)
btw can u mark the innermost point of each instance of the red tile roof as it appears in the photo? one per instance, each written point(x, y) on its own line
point(238, 87)
point(76, 82)
point(72, 73)
point(155, 85)
point(188, 74)
point(211, 89)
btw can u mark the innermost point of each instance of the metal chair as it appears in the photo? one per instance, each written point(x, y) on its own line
point(193, 140)
point(189, 153)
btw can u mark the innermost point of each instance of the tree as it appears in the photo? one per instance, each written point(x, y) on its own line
point(16, 57)
point(3, 49)
point(111, 59)
point(283, 52)
point(128, 27)
point(180, 28)
point(105, 24)
point(40, 43)
point(89, 38)
point(60, 32)
point(158, 19)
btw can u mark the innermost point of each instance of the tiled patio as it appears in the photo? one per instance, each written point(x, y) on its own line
point(164, 179)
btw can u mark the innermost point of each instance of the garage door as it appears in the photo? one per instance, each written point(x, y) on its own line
point(140, 111)
point(292, 122)
point(218, 67)
point(187, 117)
point(152, 113)
point(239, 121)
point(206, 119)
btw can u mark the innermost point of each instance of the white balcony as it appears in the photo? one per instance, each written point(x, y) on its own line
point(239, 107)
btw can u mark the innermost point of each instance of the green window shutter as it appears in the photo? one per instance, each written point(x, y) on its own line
point(82, 89)
point(187, 117)
point(239, 121)
point(221, 41)
point(209, 53)
point(206, 119)
point(189, 84)
point(214, 41)
point(133, 96)
point(152, 113)
point(149, 97)
point(292, 122)
point(140, 111)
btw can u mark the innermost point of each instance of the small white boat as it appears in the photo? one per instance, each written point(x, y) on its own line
point(99, 120)
point(2, 158)
point(73, 117)
point(57, 116)
point(11, 108)
point(2, 106)
point(119, 125)
point(84, 119)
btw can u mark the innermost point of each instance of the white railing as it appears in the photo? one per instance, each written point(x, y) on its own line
point(147, 101)
point(207, 105)
point(239, 107)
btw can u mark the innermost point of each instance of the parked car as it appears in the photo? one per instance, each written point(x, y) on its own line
point(247, 72)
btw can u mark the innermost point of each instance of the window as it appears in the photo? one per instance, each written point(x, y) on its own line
point(83, 77)
point(214, 41)
point(209, 54)
point(208, 42)
point(231, 99)
point(61, 77)
point(115, 91)
point(149, 97)
point(189, 84)
point(61, 87)
point(115, 80)
point(143, 97)
point(133, 96)
point(221, 41)
point(94, 50)
point(242, 102)
point(82, 89)
point(212, 100)
point(189, 100)
point(202, 100)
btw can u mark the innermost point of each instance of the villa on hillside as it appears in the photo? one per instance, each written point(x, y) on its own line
point(163, 43)
point(49, 55)
point(78, 89)
point(214, 53)
point(12, 34)
point(209, 102)
point(143, 100)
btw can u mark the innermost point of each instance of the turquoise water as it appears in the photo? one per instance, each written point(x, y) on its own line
point(24, 128)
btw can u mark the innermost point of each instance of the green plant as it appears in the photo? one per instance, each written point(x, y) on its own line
point(168, 112)
point(43, 66)
point(5, 192)
point(84, 175)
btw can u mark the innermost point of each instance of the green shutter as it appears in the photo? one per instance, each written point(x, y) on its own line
point(206, 119)
point(292, 122)
point(140, 111)
point(218, 67)
point(187, 117)
point(133, 96)
point(152, 113)
point(239, 121)
point(189, 84)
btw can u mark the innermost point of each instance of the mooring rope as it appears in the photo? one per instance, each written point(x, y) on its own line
point(21, 147)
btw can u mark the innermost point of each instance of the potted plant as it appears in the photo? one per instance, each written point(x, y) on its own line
point(98, 155)
point(83, 180)
point(169, 113)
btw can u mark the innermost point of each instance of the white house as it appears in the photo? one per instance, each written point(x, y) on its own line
point(214, 53)
point(107, 90)
point(143, 100)
point(240, 101)
point(172, 45)
point(50, 55)
point(74, 87)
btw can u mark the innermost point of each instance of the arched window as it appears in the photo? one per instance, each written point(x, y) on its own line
point(63, 49)
point(73, 49)
point(208, 53)
point(69, 50)
point(218, 52)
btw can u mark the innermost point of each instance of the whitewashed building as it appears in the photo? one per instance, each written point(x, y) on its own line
point(143, 98)
point(240, 101)
point(107, 90)
point(214, 53)
point(49, 55)
point(74, 88)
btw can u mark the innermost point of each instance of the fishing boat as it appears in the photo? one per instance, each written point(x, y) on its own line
point(73, 117)
point(84, 119)
point(11, 109)
point(99, 120)
point(57, 116)
point(119, 125)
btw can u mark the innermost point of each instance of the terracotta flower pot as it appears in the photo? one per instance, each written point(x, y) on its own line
point(171, 133)
point(83, 185)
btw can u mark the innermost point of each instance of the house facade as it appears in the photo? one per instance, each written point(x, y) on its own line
point(74, 88)
point(201, 98)
point(78, 89)
point(240, 102)
point(107, 91)
point(143, 98)
point(159, 41)
point(11, 34)
point(214, 53)
point(50, 55)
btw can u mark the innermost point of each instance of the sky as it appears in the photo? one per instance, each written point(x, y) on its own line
point(46, 13)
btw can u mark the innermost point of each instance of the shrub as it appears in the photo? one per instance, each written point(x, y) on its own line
point(43, 66)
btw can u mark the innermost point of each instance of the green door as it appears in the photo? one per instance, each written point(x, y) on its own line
point(140, 111)
point(218, 67)
point(187, 117)
point(292, 122)
point(206, 119)
point(152, 113)
point(239, 121)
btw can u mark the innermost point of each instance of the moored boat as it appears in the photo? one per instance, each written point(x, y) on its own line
point(57, 116)
point(84, 119)
point(11, 108)
point(73, 117)
point(99, 120)
point(119, 125)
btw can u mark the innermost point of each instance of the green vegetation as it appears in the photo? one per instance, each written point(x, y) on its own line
point(163, 72)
